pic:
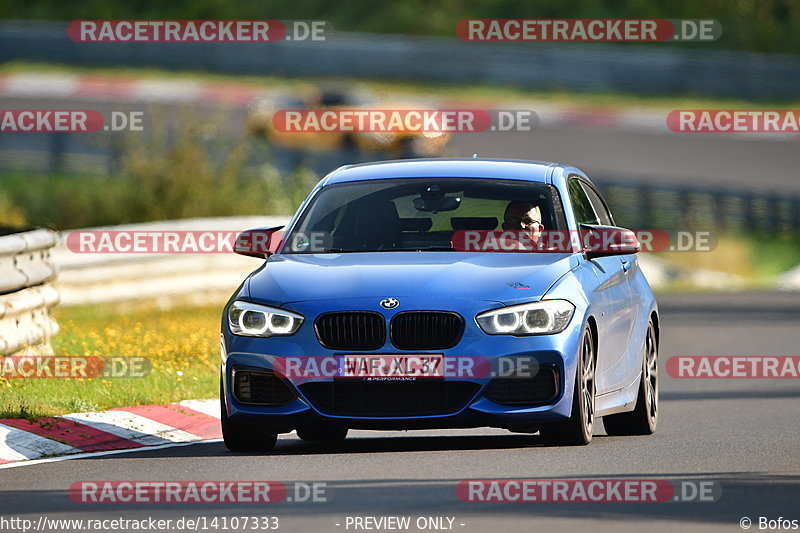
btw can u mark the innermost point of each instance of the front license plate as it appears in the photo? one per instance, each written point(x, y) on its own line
point(391, 367)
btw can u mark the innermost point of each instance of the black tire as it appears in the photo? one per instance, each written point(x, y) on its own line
point(644, 417)
point(322, 434)
point(240, 437)
point(578, 429)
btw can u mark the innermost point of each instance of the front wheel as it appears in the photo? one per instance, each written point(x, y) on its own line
point(240, 437)
point(644, 417)
point(578, 429)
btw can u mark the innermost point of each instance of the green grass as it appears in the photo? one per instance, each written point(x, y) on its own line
point(771, 257)
point(155, 183)
point(181, 344)
point(755, 259)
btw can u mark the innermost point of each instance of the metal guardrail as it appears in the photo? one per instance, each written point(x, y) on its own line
point(166, 279)
point(26, 297)
point(653, 204)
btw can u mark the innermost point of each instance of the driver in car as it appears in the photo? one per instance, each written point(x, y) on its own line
point(524, 220)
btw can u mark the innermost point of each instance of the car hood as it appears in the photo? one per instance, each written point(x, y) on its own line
point(438, 276)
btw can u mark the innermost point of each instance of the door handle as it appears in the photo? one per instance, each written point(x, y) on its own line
point(626, 265)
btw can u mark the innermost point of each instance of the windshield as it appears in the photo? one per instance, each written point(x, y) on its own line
point(419, 214)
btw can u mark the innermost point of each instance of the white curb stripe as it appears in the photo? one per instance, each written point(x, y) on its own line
point(166, 90)
point(40, 85)
point(208, 407)
point(132, 427)
point(7, 453)
point(102, 454)
point(16, 445)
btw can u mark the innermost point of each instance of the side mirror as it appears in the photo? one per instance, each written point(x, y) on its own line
point(603, 241)
point(260, 242)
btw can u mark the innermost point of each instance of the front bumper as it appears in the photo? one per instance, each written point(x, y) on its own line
point(556, 351)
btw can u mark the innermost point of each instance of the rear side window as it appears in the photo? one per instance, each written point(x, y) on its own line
point(584, 213)
point(603, 215)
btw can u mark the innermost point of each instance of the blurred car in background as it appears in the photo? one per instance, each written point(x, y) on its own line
point(402, 144)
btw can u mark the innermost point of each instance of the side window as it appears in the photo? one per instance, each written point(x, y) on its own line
point(599, 207)
point(584, 214)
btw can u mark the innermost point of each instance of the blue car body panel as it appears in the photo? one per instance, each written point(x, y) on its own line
point(609, 293)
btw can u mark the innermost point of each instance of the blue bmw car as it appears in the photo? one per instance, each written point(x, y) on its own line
point(433, 293)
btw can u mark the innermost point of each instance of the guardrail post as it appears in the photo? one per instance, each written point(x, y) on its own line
point(58, 143)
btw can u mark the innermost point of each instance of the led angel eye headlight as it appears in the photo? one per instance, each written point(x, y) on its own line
point(253, 320)
point(537, 318)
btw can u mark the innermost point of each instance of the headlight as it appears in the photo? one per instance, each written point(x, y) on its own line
point(537, 318)
point(253, 320)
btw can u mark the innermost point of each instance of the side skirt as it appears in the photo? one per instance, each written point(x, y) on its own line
point(618, 401)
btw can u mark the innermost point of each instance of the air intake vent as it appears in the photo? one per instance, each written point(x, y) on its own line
point(390, 398)
point(539, 389)
point(260, 387)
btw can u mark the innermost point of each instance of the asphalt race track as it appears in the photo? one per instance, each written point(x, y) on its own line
point(700, 159)
point(741, 434)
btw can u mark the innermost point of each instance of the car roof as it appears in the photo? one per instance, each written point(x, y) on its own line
point(444, 167)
